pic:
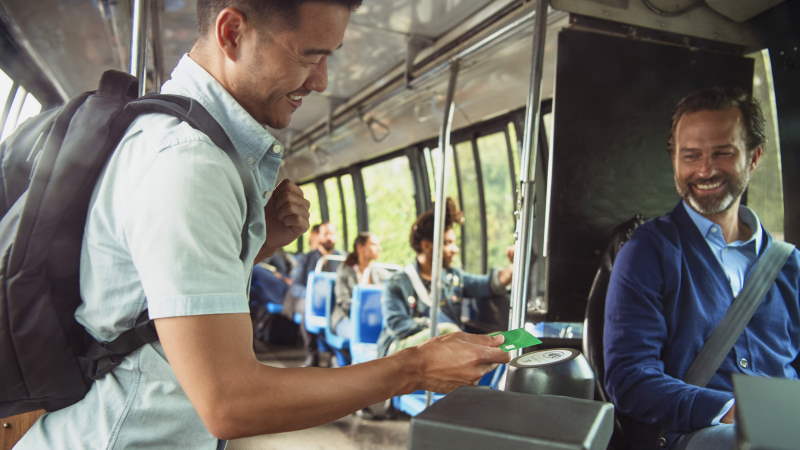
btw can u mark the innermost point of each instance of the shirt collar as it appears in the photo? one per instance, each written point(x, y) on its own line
point(250, 138)
point(707, 226)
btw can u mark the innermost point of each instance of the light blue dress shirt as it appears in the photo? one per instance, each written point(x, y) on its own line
point(735, 258)
point(164, 232)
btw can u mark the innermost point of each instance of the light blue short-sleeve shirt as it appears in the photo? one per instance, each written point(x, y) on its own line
point(164, 233)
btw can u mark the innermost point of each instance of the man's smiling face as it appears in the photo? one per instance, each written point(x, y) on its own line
point(280, 63)
point(712, 166)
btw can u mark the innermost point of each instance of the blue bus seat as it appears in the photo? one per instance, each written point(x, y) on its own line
point(274, 308)
point(340, 345)
point(367, 321)
point(319, 291)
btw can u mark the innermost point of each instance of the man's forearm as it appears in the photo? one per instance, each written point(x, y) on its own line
point(297, 398)
point(236, 396)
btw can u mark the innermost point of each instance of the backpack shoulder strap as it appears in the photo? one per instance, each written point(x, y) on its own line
point(762, 277)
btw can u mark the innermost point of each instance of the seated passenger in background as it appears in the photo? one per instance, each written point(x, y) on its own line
point(357, 269)
point(323, 236)
point(675, 279)
point(282, 264)
point(270, 280)
point(405, 315)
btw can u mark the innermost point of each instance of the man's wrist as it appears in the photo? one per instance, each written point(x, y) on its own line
point(409, 364)
point(265, 252)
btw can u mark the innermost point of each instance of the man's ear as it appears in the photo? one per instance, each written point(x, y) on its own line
point(228, 31)
point(756, 157)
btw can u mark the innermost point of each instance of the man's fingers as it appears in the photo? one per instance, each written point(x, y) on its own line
point(481, 339)
point(295, 216)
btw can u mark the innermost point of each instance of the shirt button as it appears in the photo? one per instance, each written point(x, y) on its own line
point(743, 363)
point(277, 149)
point(251, 161)
point(714, 229)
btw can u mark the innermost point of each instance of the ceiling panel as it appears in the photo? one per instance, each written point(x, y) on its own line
point(75, 42)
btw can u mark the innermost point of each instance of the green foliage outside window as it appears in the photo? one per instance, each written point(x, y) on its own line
point(471, 229)
point(499, 199)
point(390, 207)
point(335, 211)
point(432, 158)
point(315, 217)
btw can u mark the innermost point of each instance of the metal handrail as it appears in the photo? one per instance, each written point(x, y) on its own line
point(523, 251)
point(440, 207)
point(138, 65)
point(325, 258)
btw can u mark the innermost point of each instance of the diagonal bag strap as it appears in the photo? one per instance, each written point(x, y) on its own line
point(716, 348)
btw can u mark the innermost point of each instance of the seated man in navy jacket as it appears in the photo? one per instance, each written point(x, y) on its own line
point(677, 276)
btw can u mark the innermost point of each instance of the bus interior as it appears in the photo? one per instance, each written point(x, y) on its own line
point(546, 122)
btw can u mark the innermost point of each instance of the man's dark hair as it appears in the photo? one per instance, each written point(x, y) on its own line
point(422, 230)
point(718, 98)
point(207, 10)
point(315, 228)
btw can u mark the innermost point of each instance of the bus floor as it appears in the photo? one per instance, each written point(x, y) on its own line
point(349, 432)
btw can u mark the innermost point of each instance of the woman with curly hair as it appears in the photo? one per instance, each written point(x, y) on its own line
point(405, 315)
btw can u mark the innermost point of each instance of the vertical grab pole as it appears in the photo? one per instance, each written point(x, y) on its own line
point(439, 207)
point(138, 66)
point(523, 248)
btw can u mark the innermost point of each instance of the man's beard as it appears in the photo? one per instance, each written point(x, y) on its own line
point(713, 204)
point(328, 245)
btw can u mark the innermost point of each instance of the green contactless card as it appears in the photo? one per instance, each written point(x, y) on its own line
point(516, 339)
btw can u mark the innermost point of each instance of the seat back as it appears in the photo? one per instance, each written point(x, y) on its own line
point(595, 318)
point(331, 338)
point(367, 320)
point(596, 304)
point(319, 290)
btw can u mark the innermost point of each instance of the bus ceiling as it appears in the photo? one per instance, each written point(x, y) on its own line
point(388, 81)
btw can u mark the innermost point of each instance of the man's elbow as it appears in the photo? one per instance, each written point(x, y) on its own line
point(220, 420)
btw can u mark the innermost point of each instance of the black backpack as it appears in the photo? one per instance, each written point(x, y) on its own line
point(50, 166)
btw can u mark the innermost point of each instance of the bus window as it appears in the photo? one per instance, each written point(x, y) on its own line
point(350, 213)
point(6, 86)
point(30, 108)
point(472, 241)
point(432, 158)
point(390, 207)
point(499, 198)
point(765, 193)
point(314, 217)
point(12, 119)
point(336, 214)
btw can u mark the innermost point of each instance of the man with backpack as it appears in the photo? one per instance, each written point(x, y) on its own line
point(173, 228)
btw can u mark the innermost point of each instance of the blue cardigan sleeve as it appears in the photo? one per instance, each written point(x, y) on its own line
point(636, 332)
